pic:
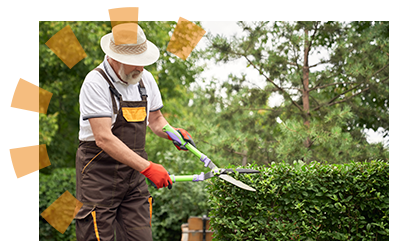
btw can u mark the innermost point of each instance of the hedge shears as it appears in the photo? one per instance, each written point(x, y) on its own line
point(215, 171)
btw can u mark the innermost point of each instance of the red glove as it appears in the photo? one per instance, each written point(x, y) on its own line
point(186, 136)
point(158, 175)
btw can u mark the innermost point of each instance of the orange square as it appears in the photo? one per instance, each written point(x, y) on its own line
point(62, 211)
point(67, 47)
point(27, 160)
point(30, 97)
point(185, 37)
point(123, 15)
point(44, 160)
point(115, 23)
point(125, 33)
point(44, 100)
point(26, 96)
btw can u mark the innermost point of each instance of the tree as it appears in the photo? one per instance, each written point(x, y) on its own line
point(325, 108)
point(64, 84)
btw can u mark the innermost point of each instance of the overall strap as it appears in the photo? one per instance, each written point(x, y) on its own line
point(142, 90)
point(113, 90)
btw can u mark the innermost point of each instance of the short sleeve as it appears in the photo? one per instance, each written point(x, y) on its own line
point(155, 95)
point(94, 98)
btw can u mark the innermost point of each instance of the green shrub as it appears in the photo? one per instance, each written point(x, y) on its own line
point(304, 202)
point(51, 186)
point(173, 207)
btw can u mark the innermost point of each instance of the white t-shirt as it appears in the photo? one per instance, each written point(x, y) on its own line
point(95, 98)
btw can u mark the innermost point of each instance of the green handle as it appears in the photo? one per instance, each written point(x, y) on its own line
point(181, 178)
point(194, 150)
point(175, 135)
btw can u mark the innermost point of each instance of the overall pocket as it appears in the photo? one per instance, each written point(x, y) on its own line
point(97, 178)
point(134, 114)
point(96, 157)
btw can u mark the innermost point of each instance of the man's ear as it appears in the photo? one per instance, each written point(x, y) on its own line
point(114, 64)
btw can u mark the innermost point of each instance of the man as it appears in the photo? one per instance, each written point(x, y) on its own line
point(117, 101)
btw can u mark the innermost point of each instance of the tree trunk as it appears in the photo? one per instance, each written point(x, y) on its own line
point(306, 83)
point(244, 159)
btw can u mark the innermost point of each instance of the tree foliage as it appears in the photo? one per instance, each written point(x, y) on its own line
point(326, 104)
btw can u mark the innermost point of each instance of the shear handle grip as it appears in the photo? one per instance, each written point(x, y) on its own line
point(173, 134)
point(177, 137)
point(184, 178)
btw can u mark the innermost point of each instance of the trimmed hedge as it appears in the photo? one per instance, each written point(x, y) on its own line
point(304, 202)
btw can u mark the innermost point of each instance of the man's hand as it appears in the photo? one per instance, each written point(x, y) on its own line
point(157, 174)
point(186, 136)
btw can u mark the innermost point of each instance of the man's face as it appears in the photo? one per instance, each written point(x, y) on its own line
point(130, 74)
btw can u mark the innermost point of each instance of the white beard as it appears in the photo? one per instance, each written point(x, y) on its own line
point(131, 78)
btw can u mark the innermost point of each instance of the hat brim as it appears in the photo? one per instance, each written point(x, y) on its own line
point(146, 58)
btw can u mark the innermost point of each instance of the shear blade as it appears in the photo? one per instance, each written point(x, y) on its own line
point(240, 171)
point(235, 182)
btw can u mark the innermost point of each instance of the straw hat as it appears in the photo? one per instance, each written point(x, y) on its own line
point(127, 44)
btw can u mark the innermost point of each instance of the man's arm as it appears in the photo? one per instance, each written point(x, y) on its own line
point(157, 122)
point(113, 146)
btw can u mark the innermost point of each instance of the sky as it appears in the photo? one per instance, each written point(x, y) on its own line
point(221, 71)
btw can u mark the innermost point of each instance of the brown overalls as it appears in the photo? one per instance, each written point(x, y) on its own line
point(115, 197)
